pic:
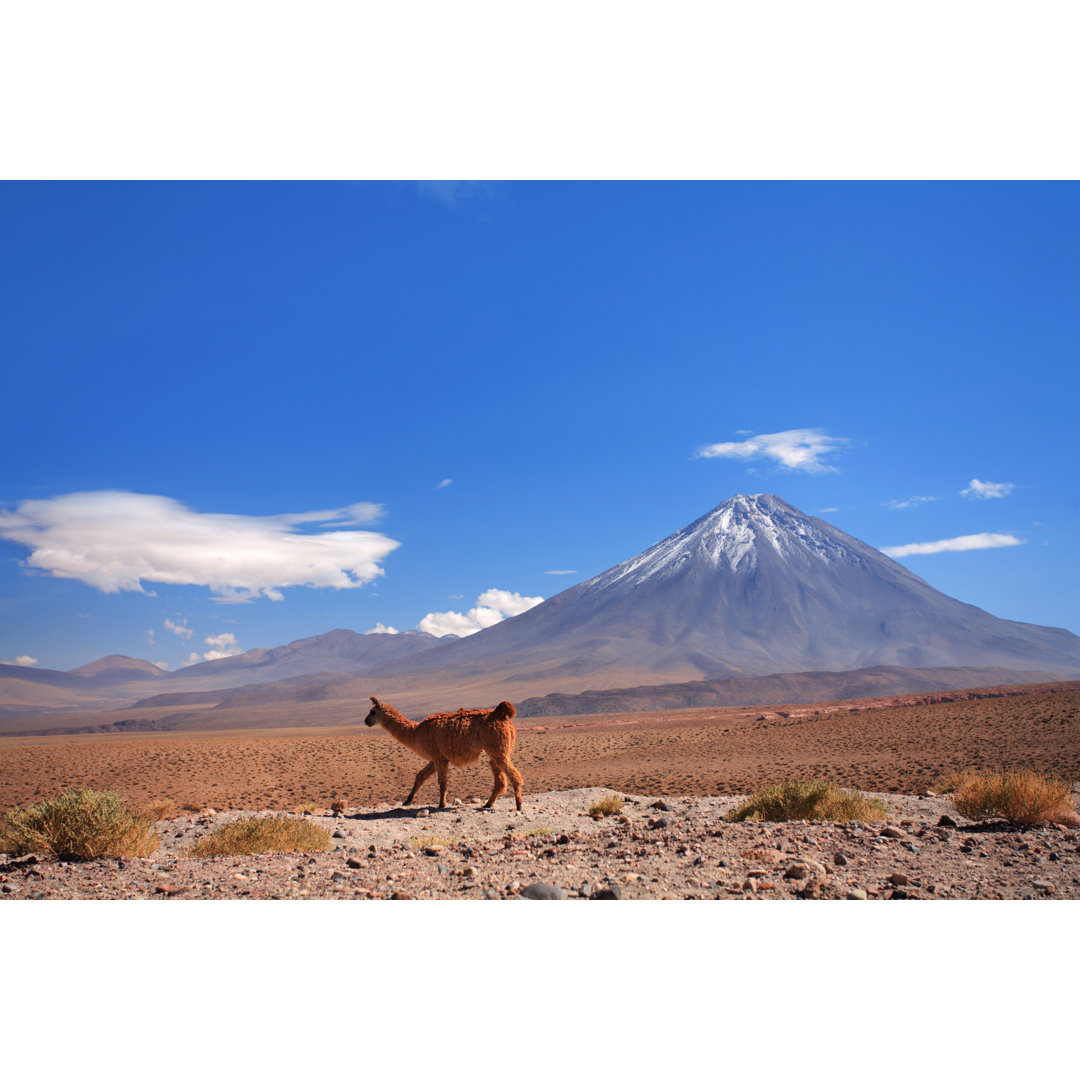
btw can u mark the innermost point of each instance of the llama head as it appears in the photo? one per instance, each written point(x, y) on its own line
point(503, 711)
point(372, 717)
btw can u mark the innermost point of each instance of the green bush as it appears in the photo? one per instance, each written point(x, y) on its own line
point(79, 824)
point(260, 836)
point(808, 800)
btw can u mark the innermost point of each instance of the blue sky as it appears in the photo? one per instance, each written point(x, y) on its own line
point(290, 407)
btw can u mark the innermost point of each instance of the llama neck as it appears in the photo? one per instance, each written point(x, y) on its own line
point(398, 726)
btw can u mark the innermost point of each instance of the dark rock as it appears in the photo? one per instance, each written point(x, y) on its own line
point(946, 822)
point(893, 832)
point(898, 879)
point(659, 823)
point(660, 805)
point(563, 839)
point(337, 875)
point(612, 892)
point(395, 895)
point(356, 864)
point(541, 890)
point(840, 859)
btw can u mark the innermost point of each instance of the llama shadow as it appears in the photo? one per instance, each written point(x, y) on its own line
point(411, 812)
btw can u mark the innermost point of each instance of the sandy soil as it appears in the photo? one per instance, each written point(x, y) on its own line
point(694, 752)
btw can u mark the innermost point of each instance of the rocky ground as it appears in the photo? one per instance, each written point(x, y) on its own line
point(655, 849)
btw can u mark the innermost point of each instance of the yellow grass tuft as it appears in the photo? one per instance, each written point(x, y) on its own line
point(432, 840)
point(259, 836)
point(306, 808)
point(609, 804)
point(78, 824)
point(538, 830)
point(808, 800)
point(159, 810)
point(1020, 797)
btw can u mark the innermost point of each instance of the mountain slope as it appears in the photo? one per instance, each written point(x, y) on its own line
point(754, 587)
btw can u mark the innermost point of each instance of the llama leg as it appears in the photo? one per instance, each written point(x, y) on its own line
point(444, 776)
point(421, 776)
point(500, 782)
point(515, 778)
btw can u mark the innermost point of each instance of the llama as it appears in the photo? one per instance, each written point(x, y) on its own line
point(457, 738)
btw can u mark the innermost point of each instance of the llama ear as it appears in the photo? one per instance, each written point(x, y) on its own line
point(376, 701)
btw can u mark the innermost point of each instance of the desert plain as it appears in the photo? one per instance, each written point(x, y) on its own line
point(678, 771)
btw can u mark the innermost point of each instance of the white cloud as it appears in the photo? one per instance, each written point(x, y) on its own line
point(22, 661)
point(492, 606)
point(906, 504)
point(560, 571)
point(986, 489)
point(116, 540)
point(180, 629)
point(163, 665)
point(829, 510)
point(800, 449)
point(958, 543)
point(150, 637)
point(443, 484)
point(378, 628)
point(221, 641)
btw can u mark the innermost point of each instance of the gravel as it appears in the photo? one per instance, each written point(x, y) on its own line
point(553, 849)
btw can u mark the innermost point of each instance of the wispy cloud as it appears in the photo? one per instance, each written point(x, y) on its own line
point(22, 661)
point(957, 543)
point(986, 489)
point(560, 571)
point(378, 628)
point(800, 449)
point(443, 484)
point(906, 504)
point(116, 540)
point(492, 607)
point(829, 510)
point(454, 192)
point(180, 629)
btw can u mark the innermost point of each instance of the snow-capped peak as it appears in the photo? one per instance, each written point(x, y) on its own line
point(729, 537)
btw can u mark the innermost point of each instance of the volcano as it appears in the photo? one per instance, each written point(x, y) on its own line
point(754, 587)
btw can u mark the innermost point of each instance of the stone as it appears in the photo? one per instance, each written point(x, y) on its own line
point(856, 894)
point(422, 813)
point(801, 869)
point(563, 839)
point(541, 890)
point(396, 895)
point(898, 878)
point(611, 892)
point(356, 864)
point(810, 891)
point(660, 805)
point(840, 859)
point(338, 834)
point(946, 822)
point(337, 875)
point(893, 832)
point(433, 849)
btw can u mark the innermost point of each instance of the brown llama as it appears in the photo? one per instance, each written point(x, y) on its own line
point(457, 738)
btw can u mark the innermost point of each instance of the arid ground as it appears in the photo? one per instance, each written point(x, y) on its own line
point(693, 752)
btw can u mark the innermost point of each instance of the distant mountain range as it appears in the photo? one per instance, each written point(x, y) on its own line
point(753, 588)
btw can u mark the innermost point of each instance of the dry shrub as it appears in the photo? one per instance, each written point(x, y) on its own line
point(808, 800)
point(609, 804)
point(159, 810)
point(337, 807)
point(953, 781)
point(259, 836)
point(306, 808)
point(1020, 797)
point(79, 824)
point(193, 807)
